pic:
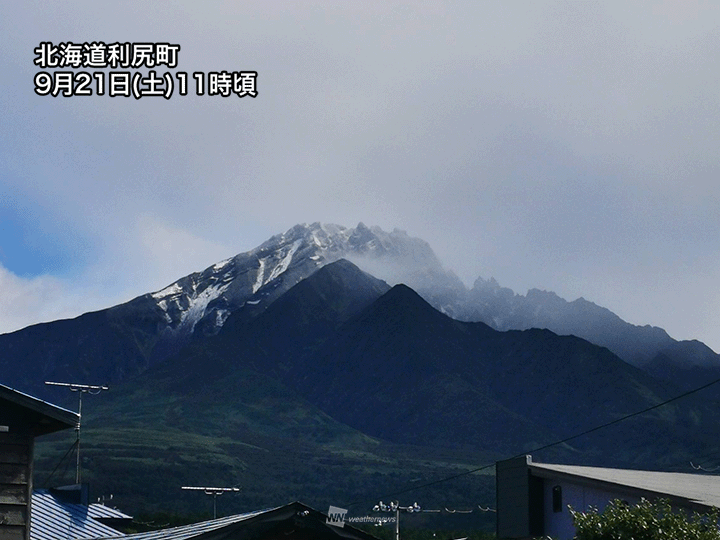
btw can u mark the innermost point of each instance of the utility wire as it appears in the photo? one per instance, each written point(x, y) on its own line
point(47, 480)
point(683, 465)
point(550, 445)
point(703, 469)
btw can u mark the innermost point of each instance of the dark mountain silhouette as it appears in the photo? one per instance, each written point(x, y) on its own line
point(389, 365)
point(638, 345)
point(347, 388)
point(111, 345)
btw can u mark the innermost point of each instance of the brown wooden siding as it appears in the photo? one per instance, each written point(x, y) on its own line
point(16, 453)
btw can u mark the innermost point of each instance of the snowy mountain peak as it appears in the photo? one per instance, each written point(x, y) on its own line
point(201, 302)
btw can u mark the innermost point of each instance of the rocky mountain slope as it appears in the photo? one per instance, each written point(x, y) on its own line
point(346, 389)
point(400, 370)
point(113, 344)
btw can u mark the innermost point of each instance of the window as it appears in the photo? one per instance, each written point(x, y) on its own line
point(557, 499)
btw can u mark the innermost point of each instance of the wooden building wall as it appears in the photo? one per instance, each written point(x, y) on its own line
point(16, 458)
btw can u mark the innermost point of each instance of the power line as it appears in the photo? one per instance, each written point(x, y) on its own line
point(703, 469)
point(699, 460)
point(47, 480)
point(550, 445)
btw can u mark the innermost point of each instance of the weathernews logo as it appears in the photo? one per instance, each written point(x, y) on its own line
point(336, 516)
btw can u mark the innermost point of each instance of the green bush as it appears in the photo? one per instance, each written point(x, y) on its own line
point(644, 521)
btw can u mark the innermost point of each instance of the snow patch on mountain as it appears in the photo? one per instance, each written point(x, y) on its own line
point(222, 264)
point(259, 280)
point(199, 306)
point(221, 316)
point(211, 296)
point(280, 268)
point(170, 290)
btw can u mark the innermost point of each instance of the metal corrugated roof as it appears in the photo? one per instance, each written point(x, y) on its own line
point(696, 488)
point(54, 519)
point(233, 526)
point(100, 511)
point(185, 532)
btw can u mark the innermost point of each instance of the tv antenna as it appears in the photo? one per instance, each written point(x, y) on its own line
point(395, 507)
point(214, 491)
point(81, 389)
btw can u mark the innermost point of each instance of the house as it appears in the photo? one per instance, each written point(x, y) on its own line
point(66, 513)
point(294, 521)
point(533, 498)
point(22, 418)
point(27, 514)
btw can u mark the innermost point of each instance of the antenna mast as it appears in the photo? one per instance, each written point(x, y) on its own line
point(214, 491)
point(81, 389)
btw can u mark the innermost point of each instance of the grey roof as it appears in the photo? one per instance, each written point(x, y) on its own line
point(694, 488)
point(53, 418)
point(184, 532)
point(53, 519)
point(240, 526)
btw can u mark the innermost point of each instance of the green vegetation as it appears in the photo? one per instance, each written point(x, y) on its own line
point(644, 521)
point(144, 454)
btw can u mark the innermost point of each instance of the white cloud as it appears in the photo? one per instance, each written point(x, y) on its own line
point(539, 143)
point(166, 253)
point(153, 255)
point(26, 301)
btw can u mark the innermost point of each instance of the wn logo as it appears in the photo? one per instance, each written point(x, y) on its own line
point(336, 516)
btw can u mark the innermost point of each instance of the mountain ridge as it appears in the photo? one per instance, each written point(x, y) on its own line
point(343, 385)
point(124, 340)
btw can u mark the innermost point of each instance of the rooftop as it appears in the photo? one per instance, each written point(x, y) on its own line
point(53, 518)
point(46, 417)
point(294, 520)
point(699, 489)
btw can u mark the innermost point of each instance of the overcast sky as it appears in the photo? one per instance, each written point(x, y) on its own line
point(565, 146)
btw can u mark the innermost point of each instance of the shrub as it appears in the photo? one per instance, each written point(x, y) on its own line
point(644, 521)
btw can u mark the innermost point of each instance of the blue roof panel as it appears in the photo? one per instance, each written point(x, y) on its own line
point(100, 511)
point(52, 519)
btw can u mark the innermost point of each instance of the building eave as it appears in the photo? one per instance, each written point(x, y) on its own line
point(52, 417)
